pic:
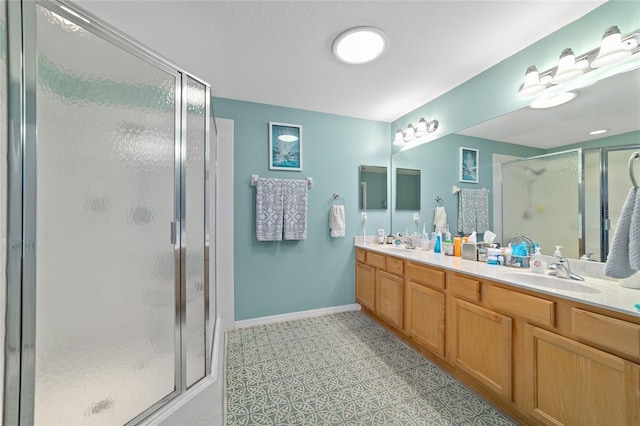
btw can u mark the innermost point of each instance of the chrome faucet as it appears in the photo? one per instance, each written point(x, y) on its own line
point(562, 269)
point(408, 243)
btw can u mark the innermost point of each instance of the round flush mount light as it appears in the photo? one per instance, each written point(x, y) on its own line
point(359, 45)
point(553, 101)
point(598, 132)
point(287, 138)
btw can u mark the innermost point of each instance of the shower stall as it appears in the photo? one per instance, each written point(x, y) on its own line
point(106, 242)
point(571, 198)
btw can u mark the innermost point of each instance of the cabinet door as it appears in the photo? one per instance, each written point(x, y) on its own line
point(389, 301)
point(366, 286)
point(482, 345)
point(424, 319)
point(569, 383)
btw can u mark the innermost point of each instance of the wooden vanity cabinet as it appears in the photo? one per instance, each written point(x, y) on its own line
point(425, 306)
point(366, 286)
point(389, 300)
point(479, 339)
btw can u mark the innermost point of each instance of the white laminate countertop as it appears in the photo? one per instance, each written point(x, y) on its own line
point(592, 291)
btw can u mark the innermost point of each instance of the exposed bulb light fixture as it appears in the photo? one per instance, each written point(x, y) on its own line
point(613, 49)
point(568, 69)
point(553, 101)
point(532, 85)
point(424, 127)
point(359, 45)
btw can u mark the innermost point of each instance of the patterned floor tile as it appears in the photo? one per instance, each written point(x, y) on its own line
point(341, 369)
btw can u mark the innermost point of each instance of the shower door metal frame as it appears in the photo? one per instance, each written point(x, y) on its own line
point(605, 220)
point(21, 261)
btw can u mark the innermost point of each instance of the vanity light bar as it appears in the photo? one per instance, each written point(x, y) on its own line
point(614, 49)
point(424, 127)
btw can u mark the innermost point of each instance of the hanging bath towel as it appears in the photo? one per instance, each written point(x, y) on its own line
point(336, 221)
point(295, 209)
point(440, 219)
point(269, 209)
point(473, 211)
point(618, 263)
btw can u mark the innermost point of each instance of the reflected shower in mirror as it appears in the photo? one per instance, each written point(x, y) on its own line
point(407, 189)
point(373, 188)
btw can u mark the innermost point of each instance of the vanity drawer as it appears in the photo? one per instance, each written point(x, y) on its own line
point(532, 308)
point(464, 288)
point(376, 260)
point(395, 266)
point(619, 335)
point(360, 255)
point(424, 275)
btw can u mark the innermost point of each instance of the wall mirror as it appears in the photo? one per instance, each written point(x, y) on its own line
point(583, 190)
point(591, 216)
point(407, 189)
point(373, 188)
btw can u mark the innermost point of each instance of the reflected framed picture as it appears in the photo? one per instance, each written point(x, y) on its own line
point(469, 168)
point(285, 147)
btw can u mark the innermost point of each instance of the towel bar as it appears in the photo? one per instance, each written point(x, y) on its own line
point(254, 181)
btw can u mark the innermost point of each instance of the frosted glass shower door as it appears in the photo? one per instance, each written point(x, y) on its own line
point(106, 301)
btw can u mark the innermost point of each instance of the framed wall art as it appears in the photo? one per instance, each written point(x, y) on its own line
point(285, 147)
point(469, 168)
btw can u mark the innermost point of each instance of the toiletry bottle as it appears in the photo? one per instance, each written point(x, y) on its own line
point(447, 247)
point(457, 246)
point(380, 236)
point(447, 235)
point(425, 238)
point(558, 253)
point(436, 247)
point(538, 264)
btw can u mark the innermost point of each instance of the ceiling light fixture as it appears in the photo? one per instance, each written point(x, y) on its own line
point(424, 127)
point(598, 132)
point(359, 45)
point(614, 49)
point(553, 101)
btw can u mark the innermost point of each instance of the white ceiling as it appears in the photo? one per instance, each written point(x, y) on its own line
point(279, 52)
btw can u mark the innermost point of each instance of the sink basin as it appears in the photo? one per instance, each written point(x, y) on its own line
point(547, 281)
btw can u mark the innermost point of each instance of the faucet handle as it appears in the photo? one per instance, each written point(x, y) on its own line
point(586, 256)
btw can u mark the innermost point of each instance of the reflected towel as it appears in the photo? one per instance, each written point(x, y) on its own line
point(269, 209)
point(473, 211)
point(336, 221)
point(618, 264)
point(440, 219)
point(634, 235)
point(295, 209)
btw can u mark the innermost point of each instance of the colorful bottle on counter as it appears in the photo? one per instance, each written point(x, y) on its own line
point(457, 246)
point(436, 247)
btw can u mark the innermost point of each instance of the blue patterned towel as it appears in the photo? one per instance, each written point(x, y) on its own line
point(295, 209)
point(269, 209)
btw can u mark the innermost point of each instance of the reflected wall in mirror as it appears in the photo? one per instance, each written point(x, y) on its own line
point(373, 188)
point(407, 189)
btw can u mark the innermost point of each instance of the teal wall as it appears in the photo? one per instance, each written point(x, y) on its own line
point(438, 162)
point(289, 276)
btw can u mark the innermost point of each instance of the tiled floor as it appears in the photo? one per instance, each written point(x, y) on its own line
point(341, 369)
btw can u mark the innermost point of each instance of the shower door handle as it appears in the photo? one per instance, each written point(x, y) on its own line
point(174, 232)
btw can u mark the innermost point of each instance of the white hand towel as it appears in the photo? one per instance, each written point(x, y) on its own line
point(618, 265)
point(440, 219)
point(336, 221)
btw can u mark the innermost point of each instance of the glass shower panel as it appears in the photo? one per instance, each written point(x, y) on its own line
point(195, 336)
point(619, 183)
point(105, 346)
point(541, 197)
point(3, 189)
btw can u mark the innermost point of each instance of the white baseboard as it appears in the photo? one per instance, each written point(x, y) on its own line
point(297, 315)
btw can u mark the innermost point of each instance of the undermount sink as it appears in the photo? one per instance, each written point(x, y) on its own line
point(547, 281)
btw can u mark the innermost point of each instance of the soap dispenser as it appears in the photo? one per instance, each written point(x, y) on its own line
point(558, 253)
point(538, 264)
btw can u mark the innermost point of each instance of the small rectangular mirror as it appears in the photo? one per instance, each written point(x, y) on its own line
point(407, 189)
point(373, 188)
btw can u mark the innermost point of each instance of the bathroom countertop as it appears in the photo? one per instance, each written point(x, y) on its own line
point(592, 291)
